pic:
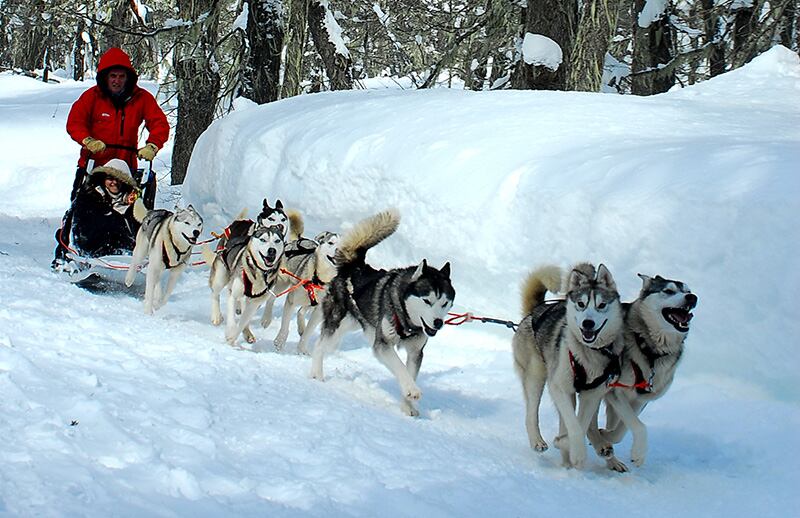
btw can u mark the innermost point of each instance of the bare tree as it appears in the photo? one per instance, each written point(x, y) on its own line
point(556, 19)
point(326, 34)
point(198, 80)
point(653, 47)
point(598, 22)
point(265, 43)
point(296, 38)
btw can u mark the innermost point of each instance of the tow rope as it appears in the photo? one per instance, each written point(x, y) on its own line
point(456, 319)
point(309, 284)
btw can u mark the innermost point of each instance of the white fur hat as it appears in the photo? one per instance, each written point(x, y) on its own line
point(118, 169)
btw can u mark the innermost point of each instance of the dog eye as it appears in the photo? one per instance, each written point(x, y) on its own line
point(581, 304)
point(428, 302)
point(602, 305)
point(670, 291)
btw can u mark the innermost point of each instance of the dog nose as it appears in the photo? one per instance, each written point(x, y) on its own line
point(691, 299)
point(438, 323)
point(271, 253)
point(588, 324)
point(196, 233)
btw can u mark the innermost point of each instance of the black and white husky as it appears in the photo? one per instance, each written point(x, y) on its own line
point(573, 345)
point(166, 240)
point(655, 329)
point(248, 268)
point(396, 308)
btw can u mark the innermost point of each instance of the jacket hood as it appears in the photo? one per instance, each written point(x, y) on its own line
point(118, 169)
point(116, 58)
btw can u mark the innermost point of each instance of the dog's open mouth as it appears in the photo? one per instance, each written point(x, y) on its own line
point(590, 335)
point(428, 329)
point(269, 263)
point(332, 259)
point(678, 317)
point(190, 239)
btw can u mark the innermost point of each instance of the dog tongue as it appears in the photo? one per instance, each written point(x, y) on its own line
point(587, 335)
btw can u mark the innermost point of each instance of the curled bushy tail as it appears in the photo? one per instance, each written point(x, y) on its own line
point(296, 224)
point(139, 210)
point(539, 282)
point(208, 255)
point(366, 234)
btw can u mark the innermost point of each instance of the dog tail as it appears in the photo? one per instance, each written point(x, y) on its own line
point(296, 224)
point(366, 234)
point(139, 210)
point(208, 255)
point(539, 282)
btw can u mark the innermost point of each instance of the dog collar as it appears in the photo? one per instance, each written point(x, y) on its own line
point(649, 353)
point(402, 332)
point(178, 254)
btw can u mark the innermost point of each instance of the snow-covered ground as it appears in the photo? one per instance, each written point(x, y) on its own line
point(108, 412)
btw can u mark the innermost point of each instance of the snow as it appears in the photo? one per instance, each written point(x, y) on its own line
point(652, 11)
point(540, 50)
point(109, 412)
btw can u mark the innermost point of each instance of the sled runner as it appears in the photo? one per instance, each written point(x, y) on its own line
point(102, 274)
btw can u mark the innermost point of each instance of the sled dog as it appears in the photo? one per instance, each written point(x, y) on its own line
point(571, 344)
point(395, 308)
point(248, 268)
point(240, 229)
point(312, 261)
point(655, 329)
point(166, 240)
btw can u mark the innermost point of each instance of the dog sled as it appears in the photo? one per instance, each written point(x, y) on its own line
point(102, 266)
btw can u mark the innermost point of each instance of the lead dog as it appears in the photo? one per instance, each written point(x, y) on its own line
point(397, 308)
point(573, 346)
point(655, 329)
point(166, 240)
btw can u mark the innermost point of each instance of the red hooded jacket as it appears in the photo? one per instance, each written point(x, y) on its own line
point(116, 119)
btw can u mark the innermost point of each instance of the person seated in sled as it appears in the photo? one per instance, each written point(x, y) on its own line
point(103, 221)
point(105, 120)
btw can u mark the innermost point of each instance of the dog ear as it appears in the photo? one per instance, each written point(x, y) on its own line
point(576, 278)
point(266, 204)
point(418, 272)
point(604, 276)
point(445, 270)
point(646, 280)
point(278, 204)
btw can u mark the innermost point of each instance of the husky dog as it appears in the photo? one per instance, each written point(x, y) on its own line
point(248, 268)
point(312, 261)
point(573, 345)
point(400, 307)
point(166, 240)
point(656, 326)
point(240, 229)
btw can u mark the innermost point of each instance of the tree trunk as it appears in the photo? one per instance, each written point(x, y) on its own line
point(118, 15)
point(265, 41)
point(712, 25)
point(596, 27)
point(329, 44)
point(28, 43)
point(556, 19)
point(788, 24)
point(743, 20)
point(296, 37)
point(652, 48)
point(198, 81)
point(78, 63)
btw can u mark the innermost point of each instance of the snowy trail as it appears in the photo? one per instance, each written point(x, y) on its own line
point(170, 421)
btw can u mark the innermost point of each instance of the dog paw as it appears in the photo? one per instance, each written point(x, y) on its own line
point(280, 341)
point(539, 445)
point(216, 320)
point(614, 464)
point(316, 374)
point(409, 409)
point(148, 309)
point(249, 336)
point(606, 451)
point(301, 349)
point(577, 455)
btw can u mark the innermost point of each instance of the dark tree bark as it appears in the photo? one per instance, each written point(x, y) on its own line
point(198, 81)
point(743, 20)
point(296, 37)
point(653, 46)
point(28, 41)
point(78, 63)
point(712, 25)
point(596, 27)
point(556, 19)
point(338, 65)
point(121, 17)
point(265, 43)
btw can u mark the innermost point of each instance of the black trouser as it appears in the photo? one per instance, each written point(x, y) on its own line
point(62, 234)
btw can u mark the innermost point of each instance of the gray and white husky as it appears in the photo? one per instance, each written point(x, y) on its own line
point(312, 261)
point(573, 346)
point(248, 268)
point(396, 308)
point(166, 240)
point(655, 329)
